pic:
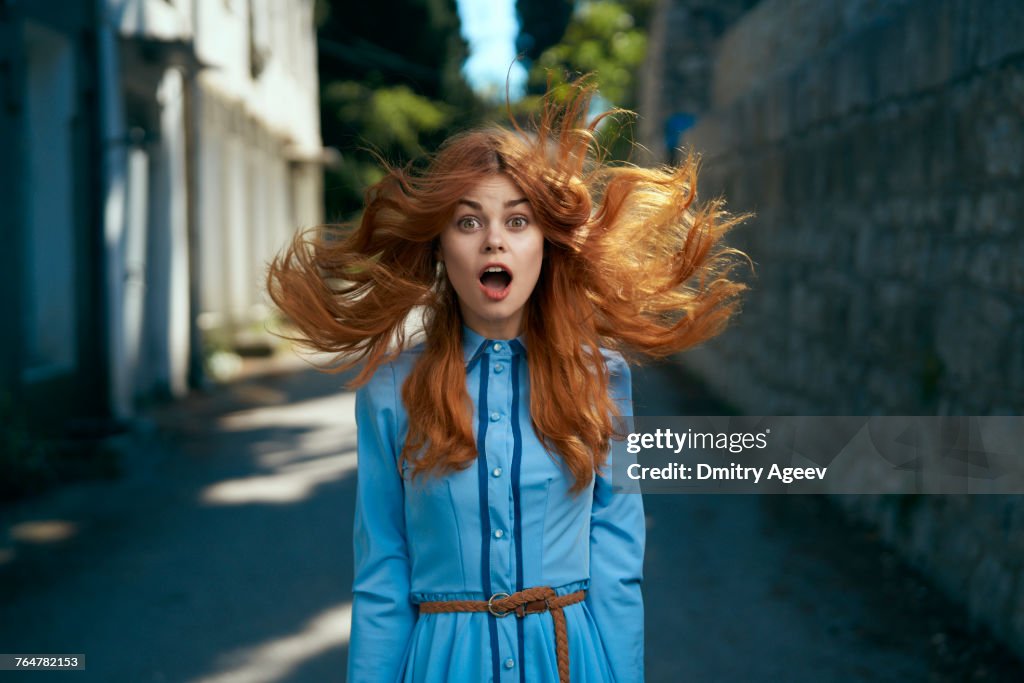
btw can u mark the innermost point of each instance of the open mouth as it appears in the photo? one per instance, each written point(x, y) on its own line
point(495, 281)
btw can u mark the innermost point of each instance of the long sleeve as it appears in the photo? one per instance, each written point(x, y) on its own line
point(617, 538)
point(382, 614)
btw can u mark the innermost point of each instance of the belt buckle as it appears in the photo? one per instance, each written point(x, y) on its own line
point(490, 604)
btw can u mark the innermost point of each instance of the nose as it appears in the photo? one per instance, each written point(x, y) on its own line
point(494, 241)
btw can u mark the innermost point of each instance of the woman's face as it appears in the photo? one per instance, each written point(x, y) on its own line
point(492, 250)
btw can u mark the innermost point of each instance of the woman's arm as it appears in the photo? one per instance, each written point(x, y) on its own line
point(382, 614)
point(617, 538)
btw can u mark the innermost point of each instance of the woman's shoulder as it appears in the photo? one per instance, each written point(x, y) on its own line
point(403, 363)
point(392, 373)
point(620, 378)
point(615, 362)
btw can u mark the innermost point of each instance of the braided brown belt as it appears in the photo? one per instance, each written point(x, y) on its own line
point(527, 601)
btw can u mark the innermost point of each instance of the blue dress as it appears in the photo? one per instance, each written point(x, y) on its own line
point(505, 524)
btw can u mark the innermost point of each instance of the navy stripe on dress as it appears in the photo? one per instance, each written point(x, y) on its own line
point(485, 517)
point(517, 456)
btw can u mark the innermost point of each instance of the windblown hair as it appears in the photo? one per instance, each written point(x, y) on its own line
point(631, 262)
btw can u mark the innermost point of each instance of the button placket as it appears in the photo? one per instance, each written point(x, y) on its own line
point(498, 448)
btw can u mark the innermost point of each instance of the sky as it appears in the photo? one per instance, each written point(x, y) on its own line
point(490, 27)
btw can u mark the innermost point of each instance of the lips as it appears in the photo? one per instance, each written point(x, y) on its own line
point(495, 281)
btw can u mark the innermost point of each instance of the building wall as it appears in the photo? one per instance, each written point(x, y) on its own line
point(258, 125)
point(51, 363)
point(675, 81)
point(51, 106)
point(157, 153)
point(882, 166)
point(880, 145)
point(234, 117)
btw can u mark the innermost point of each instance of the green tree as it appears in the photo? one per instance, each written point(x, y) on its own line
point(542, 23)
point(606, 38)
point(391, 83)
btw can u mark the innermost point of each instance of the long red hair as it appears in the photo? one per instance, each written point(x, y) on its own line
point(631, 263)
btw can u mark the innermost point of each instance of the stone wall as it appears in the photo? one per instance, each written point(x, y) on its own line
point(675, 83)
point(881, 145)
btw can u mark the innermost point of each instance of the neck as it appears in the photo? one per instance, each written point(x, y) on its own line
point(496, 329)
point(499, 333)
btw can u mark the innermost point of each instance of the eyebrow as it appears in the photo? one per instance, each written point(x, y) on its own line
point(508, 205)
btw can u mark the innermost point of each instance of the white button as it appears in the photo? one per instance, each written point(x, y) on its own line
point(497, 347)
point(498, 367)
point(495, 416)
point(496, 471)
point(509, 663)
point(498, 533)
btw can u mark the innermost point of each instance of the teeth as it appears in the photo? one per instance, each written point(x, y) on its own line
point(495, 269)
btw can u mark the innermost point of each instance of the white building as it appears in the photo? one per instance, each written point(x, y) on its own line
point(219, 103)
point(157, 153)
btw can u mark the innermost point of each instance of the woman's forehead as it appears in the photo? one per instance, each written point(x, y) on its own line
point(495, 186)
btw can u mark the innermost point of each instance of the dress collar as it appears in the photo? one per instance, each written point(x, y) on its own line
point(475, 345)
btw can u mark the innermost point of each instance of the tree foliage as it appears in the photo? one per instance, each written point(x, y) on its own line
point(391, 84)
point(608, 40)
point(391, 79)
point(605, 37)
point(542, 24)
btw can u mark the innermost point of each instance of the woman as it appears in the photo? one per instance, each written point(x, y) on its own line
point(489, 544)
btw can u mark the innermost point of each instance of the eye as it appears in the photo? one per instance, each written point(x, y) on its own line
point(468, 223)
point(518, 222)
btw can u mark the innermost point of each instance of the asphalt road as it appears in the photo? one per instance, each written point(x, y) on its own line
point(224, 555)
